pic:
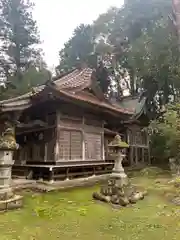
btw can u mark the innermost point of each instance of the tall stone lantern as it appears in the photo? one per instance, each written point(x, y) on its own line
point(7, 147)
point(118, 189)
point(118, 147)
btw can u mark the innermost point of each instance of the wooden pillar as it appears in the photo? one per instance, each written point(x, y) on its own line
point(143, 160)
point(128, 137)
point(45, 145)
point(131, 156)
point(103, 143)
point(103, 148)
point(56, 147)
point(46, 152)
point(83, 141)
point(51, 175)
point(148, 145)
point(149, 156)
point(136, 155)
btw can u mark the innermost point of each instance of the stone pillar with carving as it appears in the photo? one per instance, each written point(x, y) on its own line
point(7, 147)
point(118, 190)
point(118, 171)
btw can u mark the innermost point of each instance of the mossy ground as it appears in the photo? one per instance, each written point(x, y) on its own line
point(74, 215)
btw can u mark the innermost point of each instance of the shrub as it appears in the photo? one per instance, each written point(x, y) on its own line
point(165, 134)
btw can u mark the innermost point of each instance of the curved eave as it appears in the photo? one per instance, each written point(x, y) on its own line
point(101, 105)
point(16, 106)
point(78, 98)
point(140, 112)
point(18, 103)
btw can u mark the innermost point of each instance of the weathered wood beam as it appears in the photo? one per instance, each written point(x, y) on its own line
point(32, 124)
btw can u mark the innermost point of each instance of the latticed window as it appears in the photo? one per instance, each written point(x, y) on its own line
point(93, 146)
point(38, 152)
point(70, 143)
point(138, 137)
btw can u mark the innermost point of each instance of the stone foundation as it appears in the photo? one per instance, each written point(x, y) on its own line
point(118, 189)
point(115, 192)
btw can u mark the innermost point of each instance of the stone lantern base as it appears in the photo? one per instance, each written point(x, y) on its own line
point(14, 202)
point(119, 192)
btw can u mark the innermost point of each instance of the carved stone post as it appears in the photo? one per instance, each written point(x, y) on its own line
point(118, 171)
point(118, 189)
point(6, 163)
point(7, 147)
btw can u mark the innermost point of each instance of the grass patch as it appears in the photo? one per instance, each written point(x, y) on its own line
point(74, 215)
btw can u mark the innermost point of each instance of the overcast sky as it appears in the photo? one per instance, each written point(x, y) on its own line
point(57, 19)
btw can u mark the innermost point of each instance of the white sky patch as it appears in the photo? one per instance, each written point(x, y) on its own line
point(57, 19)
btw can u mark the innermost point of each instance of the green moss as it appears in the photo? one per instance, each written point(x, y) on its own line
point(177, 179)
point(74, 215)
point(118, 143)
point(151, 171)
point(7, 145)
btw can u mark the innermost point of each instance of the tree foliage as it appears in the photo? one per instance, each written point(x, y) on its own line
point(18, 34)
point(21, 61)
point(165, 134)
point(175, 18)
point(33, 77)
point(136, 38)
point(78, 47)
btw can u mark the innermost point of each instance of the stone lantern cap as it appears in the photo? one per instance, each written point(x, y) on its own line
point(118, 143)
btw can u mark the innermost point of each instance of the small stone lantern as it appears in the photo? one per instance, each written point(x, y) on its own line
point(118, 189)
point(7, 147)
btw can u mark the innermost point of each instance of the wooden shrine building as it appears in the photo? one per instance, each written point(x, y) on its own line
point(64, 128)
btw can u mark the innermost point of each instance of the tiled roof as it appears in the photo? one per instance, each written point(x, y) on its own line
point(73, 84)
point(70, 85)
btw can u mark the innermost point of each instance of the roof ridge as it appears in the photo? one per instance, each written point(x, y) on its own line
point(62, 74)
point(79, 78)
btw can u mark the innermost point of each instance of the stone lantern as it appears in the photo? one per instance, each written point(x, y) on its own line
point(7, 147)
point(118, 189)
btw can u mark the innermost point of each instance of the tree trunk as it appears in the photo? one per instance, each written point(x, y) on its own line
point(176, 12)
